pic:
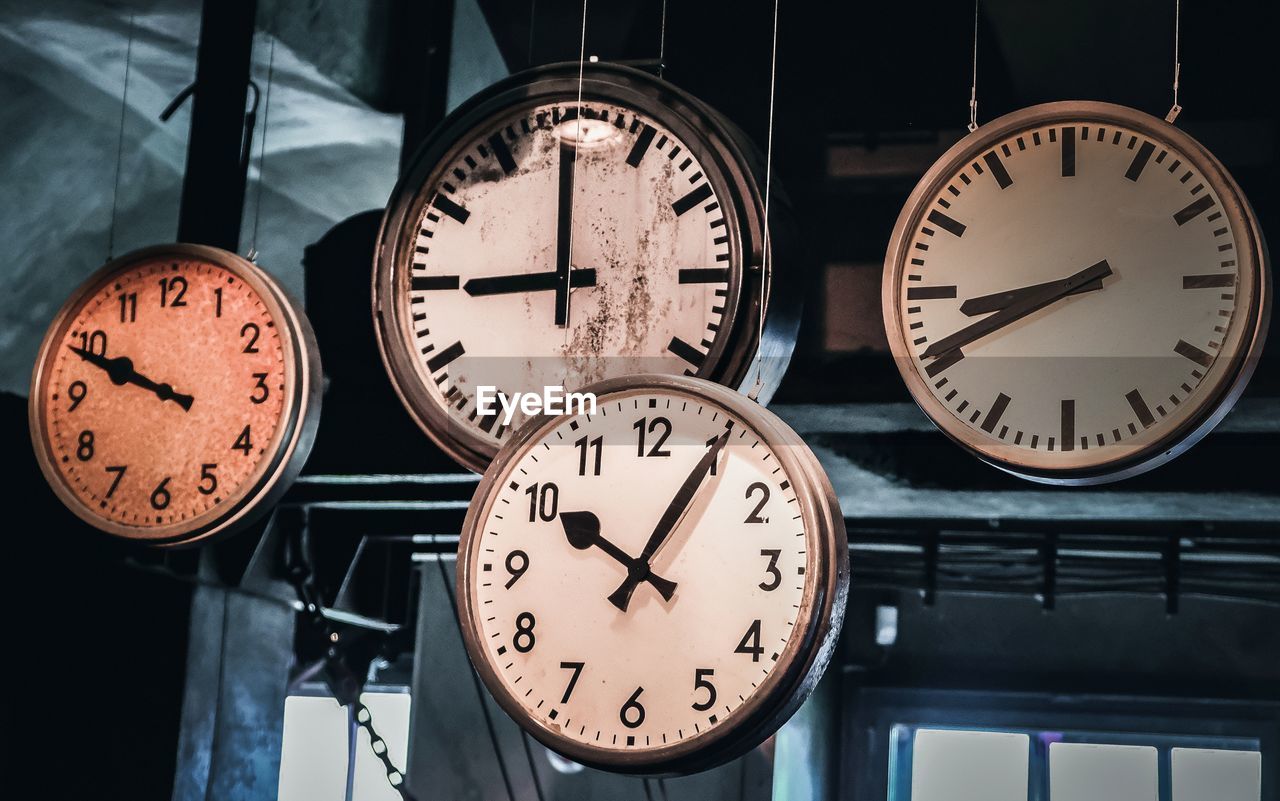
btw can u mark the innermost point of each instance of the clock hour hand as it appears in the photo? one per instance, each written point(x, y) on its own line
point(526, 282)
point(121, 371)
point(985, 304)
point(1029, 303)
point(564, 232)
point(674, 513)
point(582, 529)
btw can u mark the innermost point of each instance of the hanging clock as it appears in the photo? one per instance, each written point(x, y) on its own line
point(655, 587)
point(175, 396)
point(530, 246)
point(1076, 292)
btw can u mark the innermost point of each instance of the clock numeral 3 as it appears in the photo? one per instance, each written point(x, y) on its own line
point(632, 706)
point(543, 504)
point(523, 641)
point(657, 422)
point(775, 575)
point(751, 642)
point(700, 682)
point(260, 391)
point(576, 667)
point(515, 570)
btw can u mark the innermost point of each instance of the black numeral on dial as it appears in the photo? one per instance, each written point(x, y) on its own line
point(543, 504)
point(115, 482)
point(517, 564)
point(761, 489)
point(584, 445)
point(208, 481)
point(523, 641)
point(701, 681)
point(751, 642)
point(775, 575)
point(84, 445)
point(171, 291)
point(576, 667)
point(251, 331)
point(76, 392)
point(260, 391)
point(632, 713)
point(644, 424)
point(160, 496)
point(128, 307)
point(243, 442)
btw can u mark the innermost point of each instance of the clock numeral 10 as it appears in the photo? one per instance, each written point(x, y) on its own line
point(700, 682)
point(632, 713)
point(751, 642)
point(543, 504)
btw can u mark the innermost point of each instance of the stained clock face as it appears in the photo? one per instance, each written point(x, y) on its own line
point(168, 394)
point(544, 245)
point(1076, 291)
point(643, 585)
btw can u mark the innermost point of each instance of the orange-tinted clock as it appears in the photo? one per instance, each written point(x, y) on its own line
point(176, 395)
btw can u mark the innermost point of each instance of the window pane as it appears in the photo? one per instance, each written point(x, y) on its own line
point(1201, 774)
point(1084, 772)
point(969, 766)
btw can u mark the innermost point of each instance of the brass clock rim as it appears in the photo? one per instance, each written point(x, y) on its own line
point(290, 443)
point(1252, 256)
point(817, 627)
point(716, 144)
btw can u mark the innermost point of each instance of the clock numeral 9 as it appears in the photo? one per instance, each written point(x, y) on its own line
point(751, 642)
point(260, 391)
point(175, 284)
point(632, 706)
point(543, 504)
point(700, 682)
point(84, 445)
point(657, 422)
point(755, 517)
point(252, 331)
point(160, 496)
point(583, 445)
point(516, 570)
point(208, 481)
point(523, 641)
point(772, 569)
point(128, 307)
point(76, 392)
point(576, 667)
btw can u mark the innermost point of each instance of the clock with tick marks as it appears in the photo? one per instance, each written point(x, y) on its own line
point(535, 241)
point(654, 587)
point(1076, 292)
point(175, 396)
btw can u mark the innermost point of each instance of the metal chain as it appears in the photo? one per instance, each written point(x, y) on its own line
point(1176, 109)
point(344, 689)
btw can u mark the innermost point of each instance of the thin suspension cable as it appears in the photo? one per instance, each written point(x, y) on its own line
point(768, 197)
point(1176, 109)
point(533, 18)
point(124, 107)
point(973, 87)
point(573, 169)
point(662, 40)
point(262, 152)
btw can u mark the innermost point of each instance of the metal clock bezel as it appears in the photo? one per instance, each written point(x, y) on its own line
point(1251, 255)
point(732, 167)
point(290, 443)
point(818, 624)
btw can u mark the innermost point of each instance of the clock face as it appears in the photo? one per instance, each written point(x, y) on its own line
point(1074, 292)
point(666, 518)
point(547, 246)
point(165, 393)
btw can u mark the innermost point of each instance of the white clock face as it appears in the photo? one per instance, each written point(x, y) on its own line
point(685, 645)
point(551, 250)
point(1073, 293)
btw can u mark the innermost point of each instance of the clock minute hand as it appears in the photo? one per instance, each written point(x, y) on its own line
point(1027, 304)
point(582, 529)
point(564, 232)
point(525, 282)
point(121, 371)
point(985, 304)
point(675, 511)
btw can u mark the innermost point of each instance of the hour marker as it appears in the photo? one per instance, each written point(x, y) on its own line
point(1193, 210)
point(1208, 281)
point(933, 368)
point(692, 199)
point(1068, 425)
point(946, 223)
point(1139, 161)
point(444, 204)
point(423, 283)
point(993, 415)
point(1068, 152)
point(442, 359)
point(1141, 409)
point(930, 292)
point(704, 275)
point(997, 169)
point(503, 153)
point(686, 351)
point(1184, 348)
point(641, 147)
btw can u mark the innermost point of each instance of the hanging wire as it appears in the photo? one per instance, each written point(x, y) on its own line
point(582, 59)
point(662, 40)
point(124, 107)
point(252, 254)
point(973, 87)
point(768, 196)
point(533, 18)
point(1176, 109)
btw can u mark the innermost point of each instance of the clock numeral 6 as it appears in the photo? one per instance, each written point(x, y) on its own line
point(751, 642)
point(576, 667)
point(700, 682)
point(775, 575)
point(755, 517)
point(160, 496)
point(516, 570)
point(583, 445)
point(77, 392)
point(657, 422)
point(208, 481)
point(632, 706)
point(543, 503)
point(84, 445)
point(523, 641)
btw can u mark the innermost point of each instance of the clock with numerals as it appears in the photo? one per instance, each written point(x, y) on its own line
point(1076, 292)
point(657, 586)
point(541, 240)
point(176, 395)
